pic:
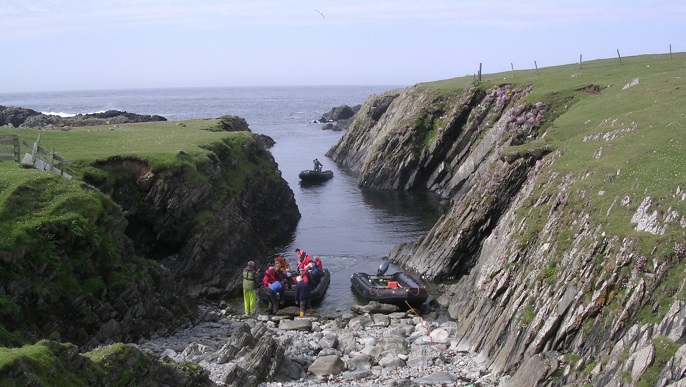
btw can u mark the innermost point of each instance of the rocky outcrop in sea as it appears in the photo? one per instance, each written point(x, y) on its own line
point(338, 118)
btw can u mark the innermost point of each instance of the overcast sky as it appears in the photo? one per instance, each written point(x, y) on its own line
point(51, 45)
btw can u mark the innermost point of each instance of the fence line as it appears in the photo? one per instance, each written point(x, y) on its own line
point(52, 158)
point(9, 143)
point(478, 79)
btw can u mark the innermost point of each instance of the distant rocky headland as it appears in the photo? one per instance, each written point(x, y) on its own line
point(338, 118)
point(19, 117)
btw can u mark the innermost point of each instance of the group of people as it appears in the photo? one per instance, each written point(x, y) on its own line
point(278, 277)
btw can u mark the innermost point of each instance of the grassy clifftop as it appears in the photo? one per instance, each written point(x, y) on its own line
point(619, 125)
point(30, 199)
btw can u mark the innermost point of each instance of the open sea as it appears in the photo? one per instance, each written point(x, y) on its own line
point(350, 229)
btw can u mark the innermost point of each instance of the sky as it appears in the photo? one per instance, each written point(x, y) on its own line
point(57, 45)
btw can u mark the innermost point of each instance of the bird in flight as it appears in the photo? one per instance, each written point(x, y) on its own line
point(320, 12)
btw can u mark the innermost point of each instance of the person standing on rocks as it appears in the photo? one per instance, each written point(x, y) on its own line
point(250, 283)
point(302, 296)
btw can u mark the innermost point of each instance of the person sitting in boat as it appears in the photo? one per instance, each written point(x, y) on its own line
point(302, 297)
point(314, 273)
point(271, 276)
point(318, 262)
point(282, 262)
point(317, 165)
point(303, 258)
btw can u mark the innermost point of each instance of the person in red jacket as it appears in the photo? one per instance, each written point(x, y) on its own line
point(305, 275)
point(303, 258)
point(270, 276)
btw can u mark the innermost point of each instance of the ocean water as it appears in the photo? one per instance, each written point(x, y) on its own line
point(350, 229)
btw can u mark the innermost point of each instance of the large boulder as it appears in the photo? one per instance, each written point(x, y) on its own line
point(327, 365)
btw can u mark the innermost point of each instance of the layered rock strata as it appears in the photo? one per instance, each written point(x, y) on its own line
point(534, 281)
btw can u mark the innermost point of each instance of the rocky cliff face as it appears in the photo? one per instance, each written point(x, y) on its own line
point(205, 222)
point(91, 288)
point(531, 276)
point(133, 258)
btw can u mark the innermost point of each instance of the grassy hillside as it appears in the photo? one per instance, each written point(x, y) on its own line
point(61, 239)
point(30, 198)
point(620, 126)
point(157, 142)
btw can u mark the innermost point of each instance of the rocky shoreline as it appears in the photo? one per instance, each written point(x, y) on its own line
point(372, 345)
point(18, 117)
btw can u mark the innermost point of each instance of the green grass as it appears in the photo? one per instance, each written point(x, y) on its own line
point(49, 363)
point(616, 142)
point(158, 142)
point(32, 201)
point(37, 364)
point(29, 198)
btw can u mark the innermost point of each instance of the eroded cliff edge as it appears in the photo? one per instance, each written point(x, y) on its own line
point(556, 274)
point(130, 251)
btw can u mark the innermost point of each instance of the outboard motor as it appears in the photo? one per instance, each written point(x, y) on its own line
point(382, 269)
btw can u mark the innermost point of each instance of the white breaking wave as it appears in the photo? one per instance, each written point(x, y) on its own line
point(58, 114)
point(62, 114)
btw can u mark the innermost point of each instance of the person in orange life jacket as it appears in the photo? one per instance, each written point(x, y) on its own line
point(303, 258)
point(302, 296)
point(275, 296)
point(283, 263)
point(249, 284)
point(284, 268)
point(270, 276)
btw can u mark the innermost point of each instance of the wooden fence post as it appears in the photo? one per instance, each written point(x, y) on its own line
point(580, 60)
point(536, 65)
point(512, 67)
point(619, 56)
point(34, 151)
point(51, 159)
point(12, 143)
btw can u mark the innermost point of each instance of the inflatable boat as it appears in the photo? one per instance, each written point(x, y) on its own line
point(316, 294)
point(398, 288)
point(312, 176)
